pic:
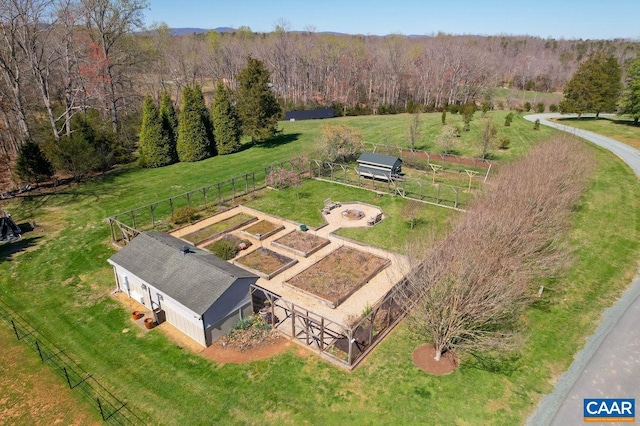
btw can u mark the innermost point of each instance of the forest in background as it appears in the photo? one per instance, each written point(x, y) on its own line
point(61, 58)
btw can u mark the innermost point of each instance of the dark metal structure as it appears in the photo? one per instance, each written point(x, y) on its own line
point(9, 231)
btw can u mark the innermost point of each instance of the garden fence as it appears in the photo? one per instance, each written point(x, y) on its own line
point(426, 189)
point(421, 159)
point(228, 193)
point(215, 197)
point(111, 408)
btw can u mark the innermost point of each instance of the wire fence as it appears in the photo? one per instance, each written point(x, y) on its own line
point(112, 410)
point(431, 186)
point(422, 160)
point(208, 199)
point(424, 189)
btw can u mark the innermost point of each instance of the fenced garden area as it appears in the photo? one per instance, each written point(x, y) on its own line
point(64, 284)
point(445, 185)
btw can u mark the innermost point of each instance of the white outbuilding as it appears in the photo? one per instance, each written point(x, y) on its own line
point(198, 293)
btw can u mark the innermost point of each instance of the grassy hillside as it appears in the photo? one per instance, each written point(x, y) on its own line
point(61, 283)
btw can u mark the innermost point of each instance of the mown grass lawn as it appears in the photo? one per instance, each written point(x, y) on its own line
point(619, 128)
point(61, 283)
point(27, 389)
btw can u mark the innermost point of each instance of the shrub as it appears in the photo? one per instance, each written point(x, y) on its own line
point(536, 125)
point(280, 178)
point(508, 119)
point(243, 324)
point(553, 108)
point(540, 107)
point(340, 143)
point(504, 142)
point(224, 249)
point(527, 106)
point(184, 215)
point(443, 117)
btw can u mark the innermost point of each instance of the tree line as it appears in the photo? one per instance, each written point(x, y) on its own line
point(84, 67)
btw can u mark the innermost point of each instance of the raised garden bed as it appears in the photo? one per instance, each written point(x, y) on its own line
point(266, 263)
point(228, 246)
point(214, 230)
point(336, 277)
point(262, 229)
point(301, 243)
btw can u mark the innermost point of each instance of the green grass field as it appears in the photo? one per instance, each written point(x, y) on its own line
point(61, 282)
point(619, 128)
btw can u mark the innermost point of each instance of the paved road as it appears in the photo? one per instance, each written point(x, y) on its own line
point(609, 364)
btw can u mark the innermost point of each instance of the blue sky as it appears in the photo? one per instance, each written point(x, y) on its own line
point(587, 19)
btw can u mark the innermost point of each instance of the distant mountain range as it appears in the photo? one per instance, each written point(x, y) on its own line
point(186, 31)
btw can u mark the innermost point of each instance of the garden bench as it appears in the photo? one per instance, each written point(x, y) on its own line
point(329, 205)
point(375, 219)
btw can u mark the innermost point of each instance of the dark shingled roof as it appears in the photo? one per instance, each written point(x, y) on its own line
point(385, 160)
point(195, 279)
point(309, 114)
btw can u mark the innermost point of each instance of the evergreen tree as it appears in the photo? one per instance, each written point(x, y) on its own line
point(467, 110)
point(155, 147)
point(169, 123)
point(595, 87)
point(32, 165)
point(257, 106)
point(194, 127)
point(226, 123)
point(631, 101)
point(77, 155)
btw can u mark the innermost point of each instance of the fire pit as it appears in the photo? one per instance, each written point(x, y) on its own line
point(353, 214)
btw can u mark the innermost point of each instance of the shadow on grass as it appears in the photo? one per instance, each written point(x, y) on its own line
point(279, 140)
point(542, 304)
point(7, 250)
point(505, 364)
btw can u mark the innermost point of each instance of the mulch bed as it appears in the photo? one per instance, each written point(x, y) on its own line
point(264, 260)
point(423, 358)
point(304, 242)
point(217, 228)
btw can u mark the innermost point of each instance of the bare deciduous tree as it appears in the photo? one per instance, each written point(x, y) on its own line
point(108, 22)
point(488, 134)
point(447, 138)
point(340, 143)
point(471, 289)
point(414, 130)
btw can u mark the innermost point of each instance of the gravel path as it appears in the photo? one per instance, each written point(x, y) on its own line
point(609, 364)
point(368, 295)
